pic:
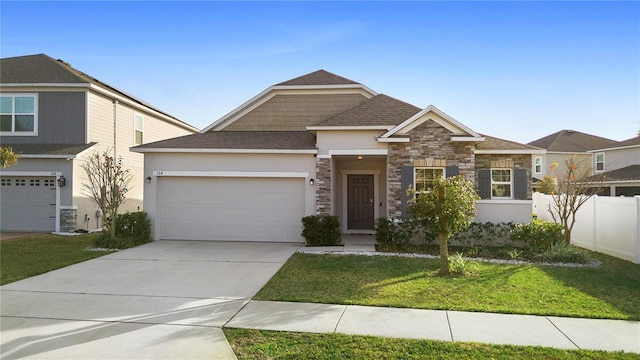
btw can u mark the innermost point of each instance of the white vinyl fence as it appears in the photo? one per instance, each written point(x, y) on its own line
point(605, 224)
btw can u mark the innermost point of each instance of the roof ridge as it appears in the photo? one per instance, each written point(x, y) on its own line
point(318, 78)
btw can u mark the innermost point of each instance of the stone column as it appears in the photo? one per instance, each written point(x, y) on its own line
point(68, 220)
point(323, 186)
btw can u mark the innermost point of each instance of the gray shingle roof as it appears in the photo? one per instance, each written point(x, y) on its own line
point(572, 141)
point(320, 77)
point(43, 69)
point(263, 140)
point(50, 149)
point(631, 172)
point(628, 142)
point(494, 143)
point(379, 110)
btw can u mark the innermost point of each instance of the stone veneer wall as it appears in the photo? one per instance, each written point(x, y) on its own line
point(506, 161)
point(429, 140)
point(323, 186)
point(68, 220)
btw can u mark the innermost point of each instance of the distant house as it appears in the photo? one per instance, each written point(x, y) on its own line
point(562, 146)
point(619, 163)
point(322, 144)
point(54, 116)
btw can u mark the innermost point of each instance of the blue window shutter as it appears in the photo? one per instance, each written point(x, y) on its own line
point(406, 180)
point(451, 171)
point(484, 183)
point(520, 181)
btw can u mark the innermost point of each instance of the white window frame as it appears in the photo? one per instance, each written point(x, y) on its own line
point(415, 177)
point(537, 165)
point(510, 183)
point(597, 162)
point(13, 115)
point(136, 129)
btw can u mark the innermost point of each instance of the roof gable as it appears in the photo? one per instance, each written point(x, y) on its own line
point(572, 141)
point(431, 113)
point(320, 77)
point(380, 110)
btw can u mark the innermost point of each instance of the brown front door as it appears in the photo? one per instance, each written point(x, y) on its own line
point(360, 202)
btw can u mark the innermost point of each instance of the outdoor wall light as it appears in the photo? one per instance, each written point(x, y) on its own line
point(359, 157)
point(311, 181)
point(62, 181)
point(148, 179)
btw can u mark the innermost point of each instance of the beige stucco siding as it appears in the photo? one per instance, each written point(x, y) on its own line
point(560, 158)
point(294, 112)
point(349, 140)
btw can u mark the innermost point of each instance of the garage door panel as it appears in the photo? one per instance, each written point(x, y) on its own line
point(234, 209)
point(27, 203)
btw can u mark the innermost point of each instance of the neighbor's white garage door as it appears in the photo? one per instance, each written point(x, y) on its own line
point(230, 209)
point(27, 203)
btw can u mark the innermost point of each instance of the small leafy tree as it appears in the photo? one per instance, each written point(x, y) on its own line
point(448, 207)
point(107, 186)
point(575, 185)
point(7, 157)
point(547, 185)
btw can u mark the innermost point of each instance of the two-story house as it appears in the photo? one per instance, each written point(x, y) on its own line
point(619, 164)
point(54, 116)
point(562, 146)
point(322, 144)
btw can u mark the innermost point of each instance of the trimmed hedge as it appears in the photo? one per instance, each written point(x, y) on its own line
point(132, 229)
point(321, 230)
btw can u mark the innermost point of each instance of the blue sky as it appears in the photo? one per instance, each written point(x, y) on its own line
point(515, 70)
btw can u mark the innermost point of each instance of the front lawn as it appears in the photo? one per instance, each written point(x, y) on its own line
point(255, 344)
point(610, 291)
point(32, 255)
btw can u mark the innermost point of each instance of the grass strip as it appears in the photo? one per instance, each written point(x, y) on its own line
point(258, 344)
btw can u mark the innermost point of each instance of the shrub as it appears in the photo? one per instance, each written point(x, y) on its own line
point(538, 235)
point(396, 231)
point(561, 252)
point(321, 230)
point(485, 234)
point(460, 266)
point(132, 229)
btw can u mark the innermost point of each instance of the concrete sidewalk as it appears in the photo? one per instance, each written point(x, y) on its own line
point(525, 330)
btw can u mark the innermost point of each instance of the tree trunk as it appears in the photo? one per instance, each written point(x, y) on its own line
point(444, 254)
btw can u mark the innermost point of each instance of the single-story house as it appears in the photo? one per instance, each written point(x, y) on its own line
point(322, 144)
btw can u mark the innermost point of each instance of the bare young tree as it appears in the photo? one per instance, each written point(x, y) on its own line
point(575, 185)
point(107, 186)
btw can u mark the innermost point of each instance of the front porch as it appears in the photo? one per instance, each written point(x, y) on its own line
point(355, 188)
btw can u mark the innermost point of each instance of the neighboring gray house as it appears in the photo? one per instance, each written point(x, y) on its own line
point(562, 146)
point(322, 144)
point(54, 116)
point(619, 163)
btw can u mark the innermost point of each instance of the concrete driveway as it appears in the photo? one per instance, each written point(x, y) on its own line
point(163, 300)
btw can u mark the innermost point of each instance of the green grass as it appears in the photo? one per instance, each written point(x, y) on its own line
point(256, 344)
point(32, 255)
point(610, 291)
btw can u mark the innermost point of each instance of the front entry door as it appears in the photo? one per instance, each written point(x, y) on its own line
point(360, 202)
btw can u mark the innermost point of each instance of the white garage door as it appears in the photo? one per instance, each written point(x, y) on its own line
point(27, 203)
point(230, 209)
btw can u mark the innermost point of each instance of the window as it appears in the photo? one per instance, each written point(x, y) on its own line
point(18, 114)
point(138, 129)
point(6, 182)
point(49, 182)
point(34, 182)
point(20, 182)
point(537, 165)
point(423, 179)
point(501, 183)
point(599, 161)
